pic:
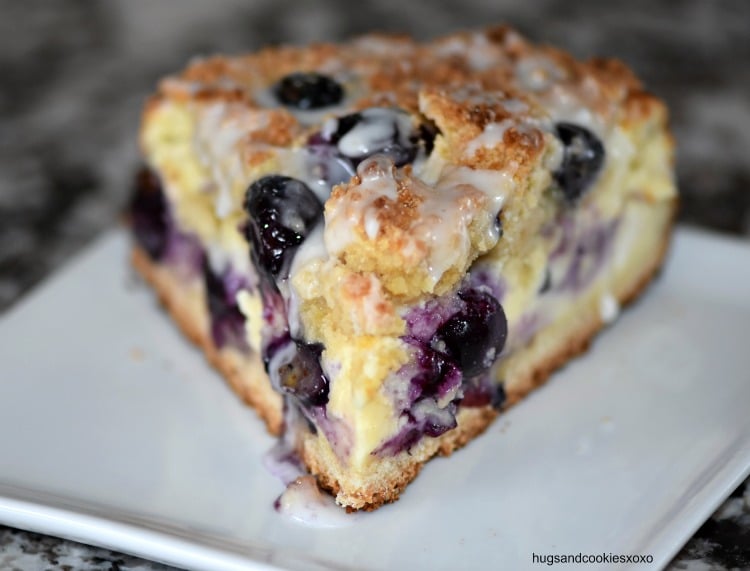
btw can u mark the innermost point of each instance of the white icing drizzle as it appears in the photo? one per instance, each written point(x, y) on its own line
point(312, 250)
point(609, 308)
point(217, 134)
point(304, 503)
point(496, 184)
point(491, 136)
point(373, 132)
point(280, 358)
point(440, 233)
point(515, 106)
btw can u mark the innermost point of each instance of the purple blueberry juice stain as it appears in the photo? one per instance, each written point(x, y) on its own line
point(227, 321)
point(428, 375)
point(302, 501)
point(282, 212)
point(157, 233)
point(337, 432)
point(283, 462)
point(565, 227)
point(589, 255)
point(148, 214)
point(482, 277)
point(455, 340)
point(579, 253)
point(422, 322)
point(483, 391)
point(527, 325)
point(184, 253)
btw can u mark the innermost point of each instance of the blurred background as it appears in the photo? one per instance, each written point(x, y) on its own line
point(74, 75)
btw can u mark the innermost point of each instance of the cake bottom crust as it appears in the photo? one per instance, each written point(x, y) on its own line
point(390, 476)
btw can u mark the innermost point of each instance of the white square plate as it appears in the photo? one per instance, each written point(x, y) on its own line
point(115, 432)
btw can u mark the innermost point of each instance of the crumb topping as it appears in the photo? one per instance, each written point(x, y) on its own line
point(491, 97)
point(435, 231)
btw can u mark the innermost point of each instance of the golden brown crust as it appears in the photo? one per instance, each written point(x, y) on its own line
point(244, 372)
point(395, 474)
point(459, 81)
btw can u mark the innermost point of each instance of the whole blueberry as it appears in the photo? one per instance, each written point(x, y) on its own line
point(475, 336)
point(282, 212)
point(308, 90)
point(148, 214)
point(583, 157)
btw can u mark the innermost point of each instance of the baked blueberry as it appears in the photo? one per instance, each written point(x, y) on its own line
point(482, 391)
point(438, 374)
point(308, 90)
point(148, 214)
point(475, 336)
point(583, 157)
point(303, 377)
point(282, 211)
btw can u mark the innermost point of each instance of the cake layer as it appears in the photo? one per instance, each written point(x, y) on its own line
point(530, 367)
point(399, 238)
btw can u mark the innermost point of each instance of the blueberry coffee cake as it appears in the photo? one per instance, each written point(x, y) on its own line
point(383, 243)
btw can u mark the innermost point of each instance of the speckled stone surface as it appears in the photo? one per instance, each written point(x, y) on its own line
point(75, 73)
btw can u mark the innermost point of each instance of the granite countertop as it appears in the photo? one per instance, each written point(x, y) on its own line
point(75, 74)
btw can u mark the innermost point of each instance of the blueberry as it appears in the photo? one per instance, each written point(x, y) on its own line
point(282, 212)
point(227, 321)
point(475, 336)
point(427, 133)
point(308, 90)
point(148, 214)
point(481, 391)
point(302, 376)
point(583, 157)
point(438, 374)
point(377, 130)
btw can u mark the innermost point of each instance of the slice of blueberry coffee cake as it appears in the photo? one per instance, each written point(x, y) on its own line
point(383, 243)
